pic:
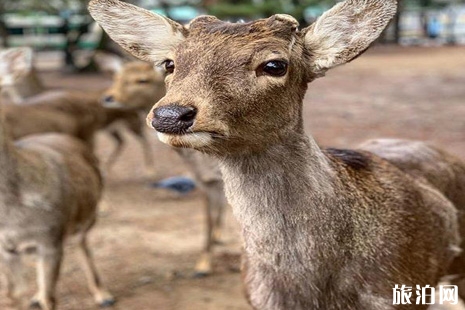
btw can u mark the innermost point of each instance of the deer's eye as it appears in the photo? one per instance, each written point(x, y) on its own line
point(169, 66)
point(142, 81)
point(273, 68)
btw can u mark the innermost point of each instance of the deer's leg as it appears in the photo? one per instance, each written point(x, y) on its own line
point(204, 264)
point(220, 207)
point(148, 158)
point(213, 215)
point(48, 270)
point(147, 151)
point(116, 135)
point(101, 295)
point(15, 285)
point(136, 125)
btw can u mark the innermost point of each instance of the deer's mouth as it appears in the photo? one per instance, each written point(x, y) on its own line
point(113, 105)
point(187, 140)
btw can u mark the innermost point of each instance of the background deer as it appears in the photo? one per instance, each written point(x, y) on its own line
point(323, 229)
point(135, 86)
point(50, 186)
point(67, 111)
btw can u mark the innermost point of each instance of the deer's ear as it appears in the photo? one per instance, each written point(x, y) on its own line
point(108, 63)
point(15, 62)
point(346, 31)
point(146, 35)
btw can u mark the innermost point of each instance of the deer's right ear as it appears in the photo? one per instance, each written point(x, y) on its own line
point(146, 35)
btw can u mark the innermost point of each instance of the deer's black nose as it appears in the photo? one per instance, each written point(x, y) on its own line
point(173, 119)
point(108, 99)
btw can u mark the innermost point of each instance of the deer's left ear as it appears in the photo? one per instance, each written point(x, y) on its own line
point(346, 31)
point(146, 35)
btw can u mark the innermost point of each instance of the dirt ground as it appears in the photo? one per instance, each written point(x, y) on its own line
point(147, 240)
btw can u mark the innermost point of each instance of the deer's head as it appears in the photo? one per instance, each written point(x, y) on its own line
point(136, 85)
point(235, 88)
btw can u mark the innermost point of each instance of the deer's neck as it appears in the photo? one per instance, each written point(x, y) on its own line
point(283, 199)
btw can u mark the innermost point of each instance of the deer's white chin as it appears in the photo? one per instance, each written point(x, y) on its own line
point(192, 140)
point(113, 105)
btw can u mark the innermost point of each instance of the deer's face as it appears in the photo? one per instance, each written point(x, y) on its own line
point(238, 88)
point(242, 93)
point(135, 86)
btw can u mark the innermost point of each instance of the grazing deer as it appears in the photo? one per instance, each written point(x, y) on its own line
point(323, 229)
point(79, 114)
point(49, 189)
point(136, 85)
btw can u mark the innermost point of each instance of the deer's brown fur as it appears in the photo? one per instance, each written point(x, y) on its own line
point(50, 186)
point(323, 229)
point(78, 115)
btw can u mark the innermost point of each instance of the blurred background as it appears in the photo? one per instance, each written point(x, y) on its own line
point(65, 25)
point(411, 84)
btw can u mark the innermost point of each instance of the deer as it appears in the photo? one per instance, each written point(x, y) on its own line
point(50, 186)
point(135, 85)
point(133, 82)
point(72, 112)
point(322, 228)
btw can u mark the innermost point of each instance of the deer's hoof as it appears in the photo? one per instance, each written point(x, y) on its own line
point(35, 304)
point(107, 302)
point(200, 274)
point(218, 242)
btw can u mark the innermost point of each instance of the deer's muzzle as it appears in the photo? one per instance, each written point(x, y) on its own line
point(173, 119)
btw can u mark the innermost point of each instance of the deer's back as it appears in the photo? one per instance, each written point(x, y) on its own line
point(441, 169)
point(59, 181)
point(71, 113)
point(393, 216)
point(28, 120)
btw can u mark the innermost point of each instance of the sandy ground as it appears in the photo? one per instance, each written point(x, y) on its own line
point(147, 240)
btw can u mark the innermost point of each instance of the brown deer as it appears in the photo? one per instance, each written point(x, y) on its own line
point(135, 86)
point(50, 186)
point(133, 83)
point(66, 111)
point(322, 229)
